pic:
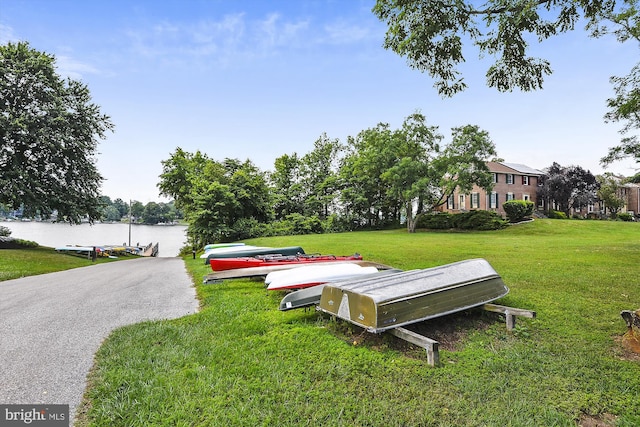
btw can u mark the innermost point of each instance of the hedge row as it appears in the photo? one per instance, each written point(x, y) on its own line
point(472, 220)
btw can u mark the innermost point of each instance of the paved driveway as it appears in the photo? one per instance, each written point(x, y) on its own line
point(51, 325)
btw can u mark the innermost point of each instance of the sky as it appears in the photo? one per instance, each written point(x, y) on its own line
point(257, 79)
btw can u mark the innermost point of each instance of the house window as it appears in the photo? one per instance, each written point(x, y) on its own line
point(450, 202)
point(495, 178)
point(590, 208)
point(509, 178)
point(461, 204)
point(510, 196)
point(526, 197)
point(493, 200)
point(475, 200)
point(525, 180)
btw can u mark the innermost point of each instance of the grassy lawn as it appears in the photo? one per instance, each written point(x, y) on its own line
point(16, 263)
point(241, 362)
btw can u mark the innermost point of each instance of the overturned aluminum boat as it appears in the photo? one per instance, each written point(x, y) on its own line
point(388, 301)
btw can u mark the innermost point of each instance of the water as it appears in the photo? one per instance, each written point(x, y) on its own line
point(170, 238)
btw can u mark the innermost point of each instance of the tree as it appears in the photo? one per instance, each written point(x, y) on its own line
point(407, 169)
point(431, 181)
point(137, 211)
point(152, 213)
point(567, 188)
point(50, 131)
point(609, 193)
point(286, 186)
point(215, 196)
point(363, 192)
point(430, 34)
point(411, 177)
point(319, 176)
point(121, 206)
point(179, 173)
point(625, 108)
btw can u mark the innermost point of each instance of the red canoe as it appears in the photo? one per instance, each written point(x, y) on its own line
point(222, 264)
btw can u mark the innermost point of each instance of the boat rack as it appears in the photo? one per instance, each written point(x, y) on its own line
point(431, 346)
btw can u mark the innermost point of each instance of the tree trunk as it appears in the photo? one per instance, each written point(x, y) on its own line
point(411, 221)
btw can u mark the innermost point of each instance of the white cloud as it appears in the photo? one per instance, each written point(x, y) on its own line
point(237, 38)
point(72, 68)
point(342, 32)
point(6, 34)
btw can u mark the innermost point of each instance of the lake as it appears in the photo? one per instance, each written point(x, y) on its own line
point(171, 238)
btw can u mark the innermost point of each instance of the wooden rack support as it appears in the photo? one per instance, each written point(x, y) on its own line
point(510, 313)
point(431, 346)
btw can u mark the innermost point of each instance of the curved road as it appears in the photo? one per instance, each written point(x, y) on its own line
point(51, 325)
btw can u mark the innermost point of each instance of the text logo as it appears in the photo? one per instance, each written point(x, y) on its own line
point(34, 415)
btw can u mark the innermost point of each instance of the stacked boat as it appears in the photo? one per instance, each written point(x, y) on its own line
point(372, 295)
point(242, 250)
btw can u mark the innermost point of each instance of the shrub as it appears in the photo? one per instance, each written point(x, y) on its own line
point(436, 221)
point(293, 224)
point(517, 210)
point(557, 215)
point(11, 243)
point(625, 216)
point(335, 224)
point(4, 231)
point(472, 220)
point(479, 220)
point(304, 224)
point(246, 228)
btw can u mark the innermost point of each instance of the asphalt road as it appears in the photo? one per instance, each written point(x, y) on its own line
point(51, 325)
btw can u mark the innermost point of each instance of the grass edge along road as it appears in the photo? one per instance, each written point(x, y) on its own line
point(240, 361)
point(17, 263)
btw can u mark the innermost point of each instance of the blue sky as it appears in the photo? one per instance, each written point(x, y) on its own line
point(259, 79)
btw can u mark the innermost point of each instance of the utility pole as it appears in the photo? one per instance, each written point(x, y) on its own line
point(129, 222)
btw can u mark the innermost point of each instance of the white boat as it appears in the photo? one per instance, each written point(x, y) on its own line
point(221, 245)
point(312, 275)
point(228, 249)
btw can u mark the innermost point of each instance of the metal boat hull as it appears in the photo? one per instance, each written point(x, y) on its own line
point(385, 302)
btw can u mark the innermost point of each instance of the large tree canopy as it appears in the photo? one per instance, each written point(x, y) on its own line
point(50, 131)
point(431, 35)
point(389, 171)
point(216, 197)
point(568, 188)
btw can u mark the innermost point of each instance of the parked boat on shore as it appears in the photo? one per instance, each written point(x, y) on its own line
point(222, 264)
point(390, 301)
point(221, 245)
point(243, 251)
point(313, 275)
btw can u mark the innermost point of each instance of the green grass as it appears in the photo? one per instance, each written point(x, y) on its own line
point(241, 362)
point(16, 263)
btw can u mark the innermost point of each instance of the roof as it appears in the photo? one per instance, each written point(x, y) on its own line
point(523, 169)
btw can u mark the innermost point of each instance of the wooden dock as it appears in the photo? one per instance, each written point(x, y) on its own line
point(92, 252)
point(151, 250)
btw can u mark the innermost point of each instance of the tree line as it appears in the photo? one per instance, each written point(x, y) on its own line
point(112, 211)
point(380, 178)
point(151, 213)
